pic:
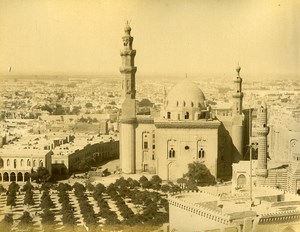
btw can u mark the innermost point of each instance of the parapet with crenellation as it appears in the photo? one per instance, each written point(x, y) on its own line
point(178, 201)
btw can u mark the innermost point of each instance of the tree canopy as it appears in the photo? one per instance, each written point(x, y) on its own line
point(198, 173)
point(27, 187)
point(156, 182)
point(145, 183)
point(28, 198)
point(2, 189)
point(86, 164)
point(13, 187)
point(26, 219)
point(48, 217)
point(40, 175)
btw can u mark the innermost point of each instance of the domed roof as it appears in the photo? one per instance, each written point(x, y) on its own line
point(185, 94)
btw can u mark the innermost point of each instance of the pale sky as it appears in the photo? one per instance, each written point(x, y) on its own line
point(171, 37)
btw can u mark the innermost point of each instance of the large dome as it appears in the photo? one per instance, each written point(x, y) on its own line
point(185, 94)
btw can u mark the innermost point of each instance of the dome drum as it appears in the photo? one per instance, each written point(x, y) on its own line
point(185, 101)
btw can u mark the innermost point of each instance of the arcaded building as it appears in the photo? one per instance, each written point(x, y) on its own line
point(16, 164)
point(187, 129)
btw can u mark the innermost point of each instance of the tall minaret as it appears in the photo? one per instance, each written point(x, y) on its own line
point(262, 131)
point(238, 94)
point(128, 118)
point(238, 117)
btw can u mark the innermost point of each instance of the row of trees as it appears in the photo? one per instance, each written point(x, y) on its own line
point(145, 201)
point(85, 208)
point(25, 221)
point(13, 188)
point(58, 109)
point(48, 217)
point(28, 198)
point(68, 217)
point(148, 203)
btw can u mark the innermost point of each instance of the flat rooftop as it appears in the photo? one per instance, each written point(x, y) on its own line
point(237, 206)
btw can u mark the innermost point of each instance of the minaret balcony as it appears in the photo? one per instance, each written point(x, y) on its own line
point(263, 131)
point(238, 95)
point(238, 80)
point(128, 69)
point(128, 52)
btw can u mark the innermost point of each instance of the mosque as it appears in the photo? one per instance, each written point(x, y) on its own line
point(187, 129)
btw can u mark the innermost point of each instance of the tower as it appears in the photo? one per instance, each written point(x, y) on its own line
point(238, 117)
point(128, 120)
point(238, 94)
point(262, 132)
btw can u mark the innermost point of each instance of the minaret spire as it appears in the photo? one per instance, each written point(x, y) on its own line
point(238, 94)
point(128, 69)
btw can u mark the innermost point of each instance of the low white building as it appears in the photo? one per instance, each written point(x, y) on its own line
point(16, 164)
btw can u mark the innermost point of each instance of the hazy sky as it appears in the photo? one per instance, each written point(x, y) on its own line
point(171, 37)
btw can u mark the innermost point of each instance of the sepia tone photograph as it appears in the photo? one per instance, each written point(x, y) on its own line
point(150, 115)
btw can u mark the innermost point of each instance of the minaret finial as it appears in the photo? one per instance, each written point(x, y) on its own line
point(238, 69)
point(127, 28)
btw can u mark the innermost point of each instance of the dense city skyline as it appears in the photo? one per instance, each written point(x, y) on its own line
point(171, 37)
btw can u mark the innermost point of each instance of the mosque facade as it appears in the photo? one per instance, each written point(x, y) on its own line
point(187, 129)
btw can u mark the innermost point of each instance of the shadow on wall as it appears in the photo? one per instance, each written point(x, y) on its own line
point(227, 154)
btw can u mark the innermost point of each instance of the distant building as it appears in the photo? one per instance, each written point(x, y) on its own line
point(186, 130)
point(99, 152)
point(16, 164)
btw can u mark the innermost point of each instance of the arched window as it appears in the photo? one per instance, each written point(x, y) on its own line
point(33, 163)
point(172, 153)
point(15, 163)
point(41, 163)
point(21, 163)
point(183, 103)
point(201, 153)
point(186, 115)
point(153, 156)
point(1, 163)
point(28, 163)
point(241, 180)
point(177, 103)
point(192, 104)
point(145, 146)
point(8, 162)
point(168, 115)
